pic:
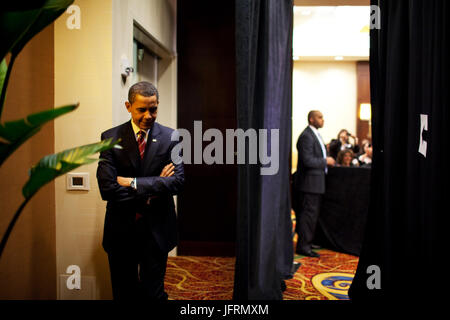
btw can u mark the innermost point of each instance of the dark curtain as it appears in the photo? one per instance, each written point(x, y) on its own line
point(406, 233)
point(264, 253)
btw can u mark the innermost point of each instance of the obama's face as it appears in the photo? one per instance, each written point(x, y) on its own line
point(143, 111)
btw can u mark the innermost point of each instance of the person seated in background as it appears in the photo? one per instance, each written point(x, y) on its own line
point(342, 143)
point(363, 143)
point(361, 149)
point(365, 159)
point(345, 158)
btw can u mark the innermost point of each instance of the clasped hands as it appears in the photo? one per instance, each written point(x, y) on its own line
point(166, 172)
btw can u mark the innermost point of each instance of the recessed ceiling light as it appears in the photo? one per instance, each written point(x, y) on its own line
point(339, 58)
point(296, 58)
point(365, 29)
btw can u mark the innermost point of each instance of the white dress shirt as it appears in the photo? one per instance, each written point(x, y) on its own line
point(319, 137)
point(322, 145)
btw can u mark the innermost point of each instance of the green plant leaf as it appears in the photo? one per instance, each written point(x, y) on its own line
point(13, 24)
point(18, 27)
point(14, 133)
point(3, 71)
point(20, 6)
point(55, 165)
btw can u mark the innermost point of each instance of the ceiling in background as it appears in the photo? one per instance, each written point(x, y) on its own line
point(331, 33)
point(331, 2)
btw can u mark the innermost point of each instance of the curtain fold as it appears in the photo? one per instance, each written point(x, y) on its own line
point(264, 96)
point(410, 81)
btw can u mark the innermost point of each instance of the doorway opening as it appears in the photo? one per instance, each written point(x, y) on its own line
point(331, 74)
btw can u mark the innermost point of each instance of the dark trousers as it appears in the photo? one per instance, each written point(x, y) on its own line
point(306, 219)
point(138, 267)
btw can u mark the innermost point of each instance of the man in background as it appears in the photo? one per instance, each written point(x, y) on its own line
point(309, 182)
point(139, 182)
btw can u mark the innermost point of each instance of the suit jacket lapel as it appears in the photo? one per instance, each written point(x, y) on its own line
point(130, 145)
point(316, 139)
point(152, 146)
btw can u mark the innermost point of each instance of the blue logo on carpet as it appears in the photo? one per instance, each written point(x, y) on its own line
point(333, 285)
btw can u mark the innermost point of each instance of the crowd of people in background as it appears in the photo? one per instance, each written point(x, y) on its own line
point(348, 152)
point(309, 182)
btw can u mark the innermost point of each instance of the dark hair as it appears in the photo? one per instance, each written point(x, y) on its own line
point(368, 144)
point(143, 88)
point(342, 130)
point(341, 154)
point(311, 114)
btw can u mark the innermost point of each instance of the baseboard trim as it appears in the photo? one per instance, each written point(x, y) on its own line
point(202, 248)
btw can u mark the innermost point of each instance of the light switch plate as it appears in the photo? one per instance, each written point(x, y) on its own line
point(78, 181)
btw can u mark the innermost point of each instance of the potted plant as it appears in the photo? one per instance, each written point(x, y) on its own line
point(18, 25)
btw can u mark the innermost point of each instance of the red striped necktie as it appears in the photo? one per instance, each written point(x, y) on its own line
point(141, 143)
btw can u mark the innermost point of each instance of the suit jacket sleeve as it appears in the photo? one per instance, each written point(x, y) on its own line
point(154, 185)
point(110, 189)
point(305, 147)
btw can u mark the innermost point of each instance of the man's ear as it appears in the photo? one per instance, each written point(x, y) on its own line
point(128, 106)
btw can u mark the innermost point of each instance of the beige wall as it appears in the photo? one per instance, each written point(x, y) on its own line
point(28, 265)
point(83, 70)
point(158, 18)
point(87, 69)
point(326, 86)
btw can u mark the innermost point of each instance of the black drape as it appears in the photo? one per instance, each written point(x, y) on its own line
point(406, 232)
point(264, 253)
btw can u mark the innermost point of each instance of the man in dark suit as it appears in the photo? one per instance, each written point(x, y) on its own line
point(310, 181)
point(138, 182)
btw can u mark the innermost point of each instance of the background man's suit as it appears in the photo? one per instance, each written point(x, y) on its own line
point(309, 184)
point(147, 241)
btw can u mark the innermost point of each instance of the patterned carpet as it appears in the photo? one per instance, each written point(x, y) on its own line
point(199, 278)
point(325, 278)
point(211, 278)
